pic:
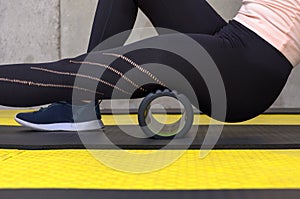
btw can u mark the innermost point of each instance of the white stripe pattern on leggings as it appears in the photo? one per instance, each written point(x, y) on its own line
point(111, 69)
point(137, 66)
point(40, 84)
point(79, 75)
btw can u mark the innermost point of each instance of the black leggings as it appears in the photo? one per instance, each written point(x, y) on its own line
point(253, 71)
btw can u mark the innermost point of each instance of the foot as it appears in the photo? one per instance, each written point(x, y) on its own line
point(63, 116)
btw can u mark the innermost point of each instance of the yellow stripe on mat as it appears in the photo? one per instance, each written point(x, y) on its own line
point(7, 118)
point(222, 169)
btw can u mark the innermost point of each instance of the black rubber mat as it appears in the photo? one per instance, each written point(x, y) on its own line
point(232, 137)
point(135, 194)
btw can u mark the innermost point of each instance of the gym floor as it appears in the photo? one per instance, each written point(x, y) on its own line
point(256, 159)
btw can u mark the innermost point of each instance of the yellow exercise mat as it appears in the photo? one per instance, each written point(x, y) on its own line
point(7, 118)
point(221, 169)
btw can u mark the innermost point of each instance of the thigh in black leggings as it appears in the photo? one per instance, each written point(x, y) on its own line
point(253, 72)
point(114, 16)
point(190, 16)
point(111, 18)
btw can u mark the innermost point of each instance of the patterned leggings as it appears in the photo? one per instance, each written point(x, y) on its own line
point(253, 71)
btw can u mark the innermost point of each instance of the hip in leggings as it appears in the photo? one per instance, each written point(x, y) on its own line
point(253, 71)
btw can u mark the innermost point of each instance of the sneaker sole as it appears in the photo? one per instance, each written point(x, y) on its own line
point(82, 126)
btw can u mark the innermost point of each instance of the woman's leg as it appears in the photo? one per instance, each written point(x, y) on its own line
point(190, 16)
point(112, 17)
point(253, 73)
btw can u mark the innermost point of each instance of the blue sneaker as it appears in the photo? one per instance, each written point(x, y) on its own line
point(63, 116)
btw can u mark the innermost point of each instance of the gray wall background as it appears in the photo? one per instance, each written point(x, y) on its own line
point(47, 30)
